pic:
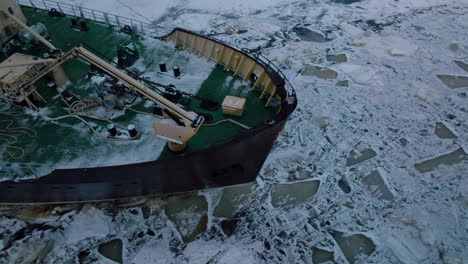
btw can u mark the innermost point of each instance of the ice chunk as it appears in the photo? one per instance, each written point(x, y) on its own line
point(407, 248)
point(346, 2)
point(389, 47)
point(232, 199)
point(112, 250)
point(377, 186)
point(344, 185)
point(155, 252)
point(462, 65)
point(459, 49)
point(48, 246)
point(451, 158)
point(344, 83)
point(423, 91)
point(354, 247)
point(321, 255)
point(337, 58)
point(397, 52)
point(351, 30)
point(309, 35)
point(321, 116)
point(359, 155)
point(319, 72)
point(32, 250)
point(293, 193)
point(442, 131)
point(453, 81)
point(226, 252)
point(89, 223)
point(361, 75)
point(189, 214)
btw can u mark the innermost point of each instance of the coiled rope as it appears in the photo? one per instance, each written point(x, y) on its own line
point(9, 140)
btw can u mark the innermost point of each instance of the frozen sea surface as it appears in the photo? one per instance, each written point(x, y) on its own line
point(371, 168)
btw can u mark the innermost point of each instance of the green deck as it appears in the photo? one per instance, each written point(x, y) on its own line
point(61, 142)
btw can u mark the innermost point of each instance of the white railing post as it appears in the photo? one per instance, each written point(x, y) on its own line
point(118, 22)
point(106, 18)
point(81, 12)
point(60, 8)
point(73, 9)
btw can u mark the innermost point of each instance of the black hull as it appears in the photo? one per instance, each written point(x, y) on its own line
point(235, 162)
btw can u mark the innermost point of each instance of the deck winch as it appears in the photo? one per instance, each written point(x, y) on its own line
point(127, 54)
point(27, 38)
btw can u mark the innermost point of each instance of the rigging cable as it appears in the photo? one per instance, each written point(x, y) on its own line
point(134, 11)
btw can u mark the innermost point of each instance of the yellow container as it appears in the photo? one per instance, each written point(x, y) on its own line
point(233, 105)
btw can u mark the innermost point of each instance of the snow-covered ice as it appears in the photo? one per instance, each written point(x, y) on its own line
point(392, 189)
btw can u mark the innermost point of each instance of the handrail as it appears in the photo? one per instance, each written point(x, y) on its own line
point(260, 58)
point(90, 14)
point(269, 64)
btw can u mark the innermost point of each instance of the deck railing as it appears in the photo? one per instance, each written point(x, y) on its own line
point(91, 14)
point(272, 66)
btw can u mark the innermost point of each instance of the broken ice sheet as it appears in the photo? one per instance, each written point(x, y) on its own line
point(347, 2)
point(453, 81)
point(90, 222)
point(344, 83)
point(377, 186)
point(337, 58)
point(462, 65)
point(406, 247)
point(344, 185)
point(189, 214)
point(309, 35)
point(454, 157)
point(442, 131)
point(112, 250)
point(321, 256)
point(389, 47)
point(232, 199)
point(354, 247)
point(293, 193)
point(359, 155)
point(157, 251)
point(319, 72)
